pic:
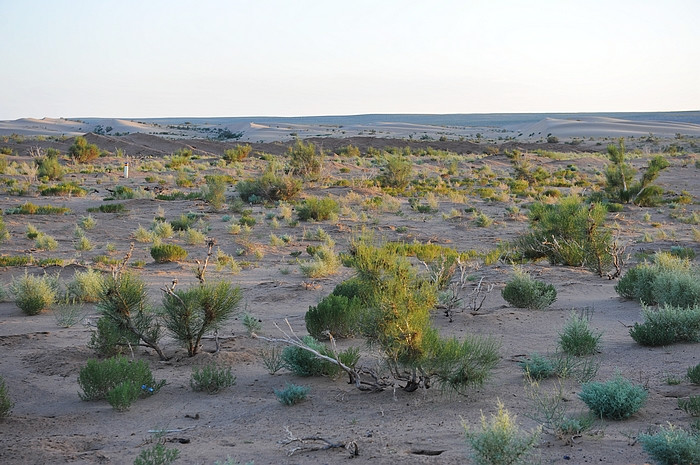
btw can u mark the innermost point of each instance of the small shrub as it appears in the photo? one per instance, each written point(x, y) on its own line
point(109, 208)
point(87, 222)
point(272, 359)
point(215, 190)
point(671, 446)
point(164, 253)
point(49, 167)
point(15, 260)
point(45, 242)
point(29, 208)
point(66, 188)
point(34, 294)
point(157, 454)
point(539, 367)
point(163, 230)
point(85, 286)
point(616, 399)
point(577, 338)
point(336, 315)
point(304, 160)
point(237, 153)
point(68, 313)
point(83, 152)
point(4, 233)
point(525, 292)
point(83, 244)
point(318, 209)
point(6, 403)
point(691, 405)
point(121, 396)
point(500, 441)
point(271, 186)
point(324, 262)
point(397, 172)
point(211, 379)
point(303, 363)
point(694, 374)
point(194, 236)
point(292, 394)
point(100, 377)
point(251, 324)
point(667, 325)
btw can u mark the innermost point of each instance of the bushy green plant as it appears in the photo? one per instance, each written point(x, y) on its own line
point(34, 294)
point(672, 446)
point(131, 380)
point(667, 325)
point(4, 233)
point(397, 172)
point(29, 208)
point(272, 185)
point(237, 153)
point(251, 324)
point(45, 242)
point(304, 363)
point(65, 188)
point(85, 286)
point(164, 253)
point(500, 441)
point(109, 208)
point(214, 191)
point(122, 193)
point(292, 394)
point(304, 160)
point(569, 233)
point(577, 338)
point(184, 222)
point(157, 454)
point(49, 167)
point(539, 367)
point(6, 403)
point(83, 152)
point(272, 359)
point(620, 185)
point(691, 405)
point(324, 262)
point(336, 315)
point(211, 378)
point(525, 292)
point(694, 374)
point(318, 208)
point(615, 399)
point(191, 313)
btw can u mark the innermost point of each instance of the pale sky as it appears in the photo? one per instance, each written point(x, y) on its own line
point(171, 58)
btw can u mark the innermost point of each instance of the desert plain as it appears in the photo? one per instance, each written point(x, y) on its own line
point(41, 359)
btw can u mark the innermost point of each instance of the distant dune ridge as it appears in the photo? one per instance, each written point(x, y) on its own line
point(269, 129)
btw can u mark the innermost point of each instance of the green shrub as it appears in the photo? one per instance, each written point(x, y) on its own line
point(324, 262)
point(336, 315)
point(184, 222)
point(500, 441)
point(163, 253)
point(620, 185)
point(616, 399)
point(109, 338)
point(15, 260)
point(67, 313)
point(29, 208)
point(271, 186)
point(214, 191)
point(691, 405)
point(123, 395)
point(122, 193)
point(211, 379)
point(157, 454)
point(694, 374)
point(237, 153)
point(397, 172)
point(191, 313)
point(49, 167)
point(672, 446)
point(99, 377)
point(682, 252)
point(34, 294)
point(577, 338)
point(525, 292)
point(304, 161)
point(667, 325)
point(83, 152)
point(251, 324)
point(303, 363)
point(4, 233)
point(65, 188)
point(87, 222)
point(318, 209)
point(292, 394)
point(85, 286)
point(45, 242)
point(6, 403)
point(539, 367)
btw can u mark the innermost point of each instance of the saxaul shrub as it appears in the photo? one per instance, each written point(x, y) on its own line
point(397, 172)
point(85, 286)
point(335, 315)
point(324, 262)
point(304, 363)
point(83, 152)
point(191, 313)
point(500, 441)
point(667, 325)
point(214, 192)
point(48, 166)
point(671, 446)
point(273, 185)
point(318, 209)
point(523, 291)
point(164, 253)
point(237, 153)
point(34, 294)
point(620, 185)
point(616, 399)
point(211, 378)
point(304, 160)
point(577, 338)
point(4, 233)
point(157, 454)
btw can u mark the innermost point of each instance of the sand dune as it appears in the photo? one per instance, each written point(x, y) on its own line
point(593, 126)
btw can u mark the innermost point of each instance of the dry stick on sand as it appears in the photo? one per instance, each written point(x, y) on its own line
point(354, 374)
point(350, 446)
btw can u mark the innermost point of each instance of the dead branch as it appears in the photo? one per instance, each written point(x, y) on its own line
point(202, 269)
point(305, 446)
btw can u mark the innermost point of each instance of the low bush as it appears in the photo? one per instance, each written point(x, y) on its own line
point(304, 363)
point(667, 325)
point(29, 208)
point(34, 294)
point(157, 454)
point(164, 253)
point(85, 286)
point(15, 260)
point(118, 380)
point(324, 262)
point(211, 378)
point(691, 405)
point(109, 208)
point(184, 222)
point(65, 188)
point(237, 153)
point(304, 160)
point(671, 446)
point(397, 172)
point(83, 152)
point(292, 394)
point(271, 186)
point(525, 292)
point(318, 209)
point(500, 440)
point(539, 367)
point(6, 403)
point(694, 374)
point(214, 192)
point(49, 167)
point(616, 399)
point(336, 315)
point(577, 338)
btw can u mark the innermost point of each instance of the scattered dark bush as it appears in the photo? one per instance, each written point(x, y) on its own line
point(577, 338)
point(215, 190)
point(108, 208)
point(539, 367)
point(318, 208)
point(164, 253)
point(525, 292)
point(672, 446)
point(616, 399)
point(336, 315)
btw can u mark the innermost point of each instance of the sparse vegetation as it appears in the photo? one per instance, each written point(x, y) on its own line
point(211, 378)
point(525, 292)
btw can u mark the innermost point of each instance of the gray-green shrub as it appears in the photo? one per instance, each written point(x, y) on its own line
point(577, 338)
point(525, 292)
point(164, 253)
point(6, 403)
point(336, 315)
point(667, 325)
point(304, 363)
point(694, 374)
point(211, 378)
point(34, 294)
point(672, 446)
point(615, 399)
point(292, 394)
point(318, 208)
point(85, 286)
point(304, 160)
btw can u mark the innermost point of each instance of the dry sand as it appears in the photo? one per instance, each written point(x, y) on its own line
point(41, 361)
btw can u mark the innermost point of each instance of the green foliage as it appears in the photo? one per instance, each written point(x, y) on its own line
point(65, 188)
point(15, 260)
point(272, 359)
point(304, 363)
point(49, 167)
point(122, 193)
point(68, 312)
point(336, 315)
point(539, 367)
point(318, 208)
point(85, 286)
point(397, 173)
point(694, 374)
point(237, 153)
point(34, 294)
point(4, 233)
point(672, 446)
point(304, 160)
point(667, 325)
point(667, 280)
point(83, 152)
point(292, 394)
point(108, 208)
point(191, 313)
point(568, 233)
point(500, 440)
point(616, 399)
point(577, 338)
point(324, 262)
point(29, 208)
point(6, 403)
point(620, 185)
point(184, 222)
point(271, 186)
point(251, 324)
point(211, 379)
point(157, 454)
point(163, 253)
point(132, 379)
point(180, 159)
point(691, 405)
point(525, 292)
point(214, 191)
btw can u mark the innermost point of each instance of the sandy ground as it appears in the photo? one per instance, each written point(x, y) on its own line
point(41, 361)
